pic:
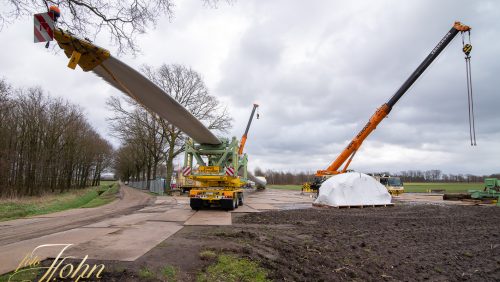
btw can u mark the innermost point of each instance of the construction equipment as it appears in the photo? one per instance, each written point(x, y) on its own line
point(244, 137)
point(393, 184)
point(259, 181)
point(220, 166)
point(490, 193)
point(347, 155)
point(183, 183)
point(217, 174)
point(221, 171)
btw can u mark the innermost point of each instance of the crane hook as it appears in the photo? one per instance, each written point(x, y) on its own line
point(467, 48)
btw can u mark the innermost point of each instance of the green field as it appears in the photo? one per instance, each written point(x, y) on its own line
point(83, 198)
point(414, 187)
point(448, 187)
point(285, 187)
point(107, 182)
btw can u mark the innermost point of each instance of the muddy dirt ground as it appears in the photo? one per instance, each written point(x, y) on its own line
point(405, 243)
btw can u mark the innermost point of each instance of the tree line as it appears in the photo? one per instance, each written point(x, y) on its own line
point(436, 175)
point(46, 145)
point(274, 177)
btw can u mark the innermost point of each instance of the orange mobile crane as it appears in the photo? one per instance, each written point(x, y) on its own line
point(350, 151)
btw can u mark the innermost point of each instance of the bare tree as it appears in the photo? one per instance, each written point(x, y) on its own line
point(4, 99)
point(127, 165)
point(121, 19)
point(46, 145)
point(187, 87)
point(258, 172)
point(141, 131)
point(274, 177)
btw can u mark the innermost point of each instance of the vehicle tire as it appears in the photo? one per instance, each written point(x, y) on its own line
point(240, 199)
point(196, 204)
point(227, 204)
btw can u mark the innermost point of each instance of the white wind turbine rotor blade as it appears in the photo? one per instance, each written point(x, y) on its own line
point(144, 91)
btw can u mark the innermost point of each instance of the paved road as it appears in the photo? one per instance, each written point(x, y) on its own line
point(37, 226)
point(125, 229)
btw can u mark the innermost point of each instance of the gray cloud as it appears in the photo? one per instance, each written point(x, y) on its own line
point(319, 69)
point(330, 68)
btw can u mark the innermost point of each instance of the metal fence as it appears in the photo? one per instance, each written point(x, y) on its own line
point(156, 186)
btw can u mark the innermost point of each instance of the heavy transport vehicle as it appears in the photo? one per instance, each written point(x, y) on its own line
point(219, 170)
point(221, 166)
point(215, 169)
point(343, 160)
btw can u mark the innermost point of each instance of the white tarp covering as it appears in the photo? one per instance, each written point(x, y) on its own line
point(352, 189)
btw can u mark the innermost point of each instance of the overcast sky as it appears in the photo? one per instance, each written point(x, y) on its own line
point(318, 69)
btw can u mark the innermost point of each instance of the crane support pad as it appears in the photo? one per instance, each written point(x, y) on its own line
point(91, 55)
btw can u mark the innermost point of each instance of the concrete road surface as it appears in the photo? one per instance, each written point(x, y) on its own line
point(125, 229)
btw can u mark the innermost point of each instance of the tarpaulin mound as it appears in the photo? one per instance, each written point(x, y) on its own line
point(352, 189)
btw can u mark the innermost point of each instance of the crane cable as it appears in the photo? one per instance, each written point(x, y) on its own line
point(467, 48)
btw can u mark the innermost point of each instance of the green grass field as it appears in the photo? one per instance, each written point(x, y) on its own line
point(285, 187)
point(83, 198)
point(448, 187)
point(413, 187)
point(108, 182)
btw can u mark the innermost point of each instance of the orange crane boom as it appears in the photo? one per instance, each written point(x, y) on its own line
point(350, 150)
point(348, 153)
point(244, 137)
